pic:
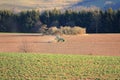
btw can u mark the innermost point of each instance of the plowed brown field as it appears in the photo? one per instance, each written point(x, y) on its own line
point(91, 44)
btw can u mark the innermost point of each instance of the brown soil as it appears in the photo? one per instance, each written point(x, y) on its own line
point(91, 44)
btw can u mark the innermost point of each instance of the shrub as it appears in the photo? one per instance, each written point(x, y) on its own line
point(52, 30)
point(78, 30)
point(43, 29)
point(67, 30)
point(74, 30)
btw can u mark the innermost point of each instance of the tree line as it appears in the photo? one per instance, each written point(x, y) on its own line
point(31, 21)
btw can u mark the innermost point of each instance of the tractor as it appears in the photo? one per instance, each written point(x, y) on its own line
point(59, 39)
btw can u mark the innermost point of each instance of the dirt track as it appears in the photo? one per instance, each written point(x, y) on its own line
point(91, 44)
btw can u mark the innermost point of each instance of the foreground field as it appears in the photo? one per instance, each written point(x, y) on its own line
point(91, 44)
point(21, 66)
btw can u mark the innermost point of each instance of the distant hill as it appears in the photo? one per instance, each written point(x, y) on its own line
point(36, 4)
point(19, 5)
point(96, 4)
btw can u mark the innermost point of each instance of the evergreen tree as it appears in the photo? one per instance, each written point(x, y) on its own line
point(27, 20)
point(94, 21)
point(117, 21)
point(5, 20)
point(45, 18)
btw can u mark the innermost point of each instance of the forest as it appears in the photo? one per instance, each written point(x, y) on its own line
point(31, 21)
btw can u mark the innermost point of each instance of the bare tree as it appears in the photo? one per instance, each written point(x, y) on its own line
point(24, 46)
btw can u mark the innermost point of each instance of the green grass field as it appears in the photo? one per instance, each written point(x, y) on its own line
point(27, 66)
